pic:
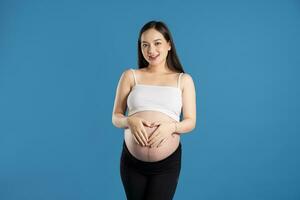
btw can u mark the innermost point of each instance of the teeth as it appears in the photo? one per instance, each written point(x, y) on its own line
point(153, 56)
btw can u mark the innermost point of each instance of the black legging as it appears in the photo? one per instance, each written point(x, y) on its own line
point(150, 180)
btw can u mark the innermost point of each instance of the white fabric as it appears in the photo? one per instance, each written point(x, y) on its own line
point(165, 99)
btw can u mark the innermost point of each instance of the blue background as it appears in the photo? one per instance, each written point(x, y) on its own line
point(60, 62)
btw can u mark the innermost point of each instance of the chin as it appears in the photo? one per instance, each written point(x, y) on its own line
point(155, 62)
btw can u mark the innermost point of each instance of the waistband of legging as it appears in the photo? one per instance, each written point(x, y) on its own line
point(170, 158)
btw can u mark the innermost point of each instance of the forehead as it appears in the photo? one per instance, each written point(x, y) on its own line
point(151, 35)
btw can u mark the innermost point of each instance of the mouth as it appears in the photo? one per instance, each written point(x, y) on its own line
point(153, 57)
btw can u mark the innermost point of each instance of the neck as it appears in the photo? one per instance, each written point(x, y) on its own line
point(160, 68)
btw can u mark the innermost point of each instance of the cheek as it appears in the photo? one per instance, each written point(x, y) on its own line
point(163, 49)
point(143, 52)
point(164, 52)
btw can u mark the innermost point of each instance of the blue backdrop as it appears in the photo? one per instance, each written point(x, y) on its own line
point(60, 62)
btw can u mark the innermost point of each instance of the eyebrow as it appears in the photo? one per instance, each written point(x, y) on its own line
point(153, 40)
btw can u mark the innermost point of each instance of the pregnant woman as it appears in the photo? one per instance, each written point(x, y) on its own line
point(155, 94)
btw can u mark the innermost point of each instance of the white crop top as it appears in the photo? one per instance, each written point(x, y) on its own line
point(165, 99)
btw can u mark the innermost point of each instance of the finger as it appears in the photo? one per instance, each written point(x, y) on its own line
point(146, 123)
point(155, 123)
point(143, 138)
point(157, 142)
point(154, 140)
point(143, 130)
point(154, 135)
point(162, 142)
point(139, 138)
point(136, 140)
point(145, 134)
point(149, 124)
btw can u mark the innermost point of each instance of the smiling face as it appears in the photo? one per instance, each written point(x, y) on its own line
point(154, 47)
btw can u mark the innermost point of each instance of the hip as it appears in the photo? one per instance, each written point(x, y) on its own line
point(169, 163)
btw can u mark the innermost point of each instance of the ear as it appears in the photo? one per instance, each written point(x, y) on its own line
point(169, 43)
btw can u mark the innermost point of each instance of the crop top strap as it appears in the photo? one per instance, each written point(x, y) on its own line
point(179, 78)
point(135, 82)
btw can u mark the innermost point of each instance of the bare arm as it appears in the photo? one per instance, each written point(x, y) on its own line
point(120, 104)
point(118, 115)
point(189, 106)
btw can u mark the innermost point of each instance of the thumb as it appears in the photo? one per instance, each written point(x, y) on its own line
point(146, 123)
point(156, 123)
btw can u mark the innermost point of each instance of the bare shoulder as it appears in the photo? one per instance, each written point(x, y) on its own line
point(187, 77)
point(187, 81)
point(127, 77)
point(127, 73)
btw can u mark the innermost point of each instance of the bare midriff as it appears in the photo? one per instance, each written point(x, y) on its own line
point(152, 154)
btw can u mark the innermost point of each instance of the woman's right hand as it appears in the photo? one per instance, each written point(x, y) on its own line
point(136, 125)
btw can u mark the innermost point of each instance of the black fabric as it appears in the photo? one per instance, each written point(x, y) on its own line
point(150, 180)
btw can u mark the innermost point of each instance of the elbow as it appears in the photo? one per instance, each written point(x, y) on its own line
point(190, 124)
point(113, 120)
point(193, 126)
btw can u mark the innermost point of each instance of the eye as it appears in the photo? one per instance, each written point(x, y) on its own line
point(157, 43)
point(144, 45)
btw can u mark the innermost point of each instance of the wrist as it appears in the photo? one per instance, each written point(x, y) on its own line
point(125, 123)
point(174, 126)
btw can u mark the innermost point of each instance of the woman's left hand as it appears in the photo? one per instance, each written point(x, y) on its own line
point(161, 134)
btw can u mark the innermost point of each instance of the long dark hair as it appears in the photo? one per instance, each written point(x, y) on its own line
point(172, 60)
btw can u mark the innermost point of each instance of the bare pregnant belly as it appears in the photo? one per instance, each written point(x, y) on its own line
point(154, 153)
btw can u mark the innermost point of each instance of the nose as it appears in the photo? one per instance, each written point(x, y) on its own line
point(151, 49)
